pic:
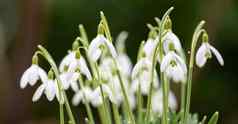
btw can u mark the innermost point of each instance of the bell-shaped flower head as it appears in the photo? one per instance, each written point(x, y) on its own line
point(174, 67)
point(32, 74)
point(204, 53)
point(97, 45)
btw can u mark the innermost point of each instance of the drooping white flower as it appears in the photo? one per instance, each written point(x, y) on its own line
point(69, 79)
point(79, 63)
point(157, 102)
point(124, 64)
point(31, 75)
point(204, 52)
point(171, 38)
point(67, 60)
point(174, 67)
point(141, 76)
point(49, 88)
point(149, 47)
point(84, 94)
point(95, 51)
point(97, 100)
point(120, 41)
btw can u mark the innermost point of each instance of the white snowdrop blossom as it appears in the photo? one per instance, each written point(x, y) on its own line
point(120, 41)
point(69, 79)
point(84, 94)
point(95, 47)
point(174, 67)
point(79, 63)
point(96, 98)
point(141, 77)
point(157, 102)
point(66, 61)
point(204, 52)
point(32, 75)
point(49, 88)
point(124, 64)
point(149, 47)
point(169, 38)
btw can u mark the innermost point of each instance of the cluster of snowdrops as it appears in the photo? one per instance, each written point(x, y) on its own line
point(102, 76)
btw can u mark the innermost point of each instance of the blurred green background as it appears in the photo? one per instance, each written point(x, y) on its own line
point(54, 23)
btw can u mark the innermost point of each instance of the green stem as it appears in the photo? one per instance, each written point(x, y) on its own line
point(139, 105)
point(116, 114)
point(195, 38)
point(61, 108)
point(154, 62)
point(48, 57)
point(125, 95)
point(69, 111)
point(165, 100)
point(183, 100)
point(88, 109)
point(94, 71)
point(108, 117)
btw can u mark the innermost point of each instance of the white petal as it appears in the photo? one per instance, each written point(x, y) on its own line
point(172, 101)
point(120, 41)
point(200, 56)
point(38, 93)
point(65, 80)
point(149, 47)
point(84, 69)
point(181, 62)
point(166, 61)
point(77, 98)
point(96, 98)
point(33, 75)
point(217, 54)
point(50, 90)
point(66, 60)
point(140, 65)
point(24, 79)
point(73, 65)
point(94, 47)
point(74, 86)
point(111, 48)
point(125, 63)
point(42, 74)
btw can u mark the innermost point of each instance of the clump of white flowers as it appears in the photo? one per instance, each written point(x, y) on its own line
point(104, 78)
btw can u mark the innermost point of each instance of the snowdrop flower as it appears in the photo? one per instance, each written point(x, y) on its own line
point(171, 38)
point(141, 76)
point(31, 75)
point(49, 88)
point(70, 80)
point(95, 47)
point(174, 67)
point(96, 98)
point(204, 53)
point(149, 47)
point(78, 62)
point(157, 102)
point(120, 41)
point(67, 60)
point(124, 63)
point(83, 95)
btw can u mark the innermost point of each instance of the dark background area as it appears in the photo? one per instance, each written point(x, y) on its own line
point(54, 24)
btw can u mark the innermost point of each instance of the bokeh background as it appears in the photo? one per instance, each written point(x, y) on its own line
point(54, 23)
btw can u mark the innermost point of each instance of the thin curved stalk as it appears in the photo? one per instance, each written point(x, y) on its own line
point(154, 62)
point(124, 92)
point(48, 57)
point(195, 38)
